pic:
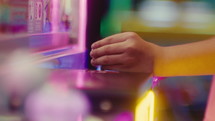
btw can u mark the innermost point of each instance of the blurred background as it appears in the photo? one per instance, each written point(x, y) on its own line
point(39, 36)
point(168, 22)
point(161, 21)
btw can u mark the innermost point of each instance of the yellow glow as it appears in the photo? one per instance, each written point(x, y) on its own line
point(145, 108)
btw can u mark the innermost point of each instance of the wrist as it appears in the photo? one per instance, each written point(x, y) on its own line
point(159, 63)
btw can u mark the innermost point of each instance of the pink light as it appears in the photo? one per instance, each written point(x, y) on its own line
point(80, 80)
point(55, 15)
point(155, 81)
point(82, 24)
point(80, 118)
point(82, 36)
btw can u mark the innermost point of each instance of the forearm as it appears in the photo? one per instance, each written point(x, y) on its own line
point(189, 59)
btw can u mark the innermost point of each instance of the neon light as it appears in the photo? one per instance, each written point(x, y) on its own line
point(154, 81)
point(82, 24)
point(145, 108)
point(55, 15)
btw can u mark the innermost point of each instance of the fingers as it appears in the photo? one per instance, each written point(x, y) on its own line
point(107, 60)
point(113, 39)
point(110, 52)
point(111, 49)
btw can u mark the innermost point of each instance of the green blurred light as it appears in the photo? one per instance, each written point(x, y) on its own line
point(111, 23)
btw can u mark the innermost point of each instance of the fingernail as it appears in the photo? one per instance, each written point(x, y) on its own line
point(93, 46)
point(91, 53)
point(93, 62)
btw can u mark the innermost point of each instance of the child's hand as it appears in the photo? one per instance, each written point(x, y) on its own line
point(124, 52)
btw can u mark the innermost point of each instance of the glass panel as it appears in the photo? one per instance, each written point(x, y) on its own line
point(41, 24)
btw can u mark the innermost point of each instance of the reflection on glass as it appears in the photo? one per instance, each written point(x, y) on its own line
point(43, 24)
point(50, 15)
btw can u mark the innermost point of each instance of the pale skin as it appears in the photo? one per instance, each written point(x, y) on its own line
point(129, 52)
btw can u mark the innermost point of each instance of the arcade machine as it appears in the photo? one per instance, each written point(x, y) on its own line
point(45, 71)
point(45, 74)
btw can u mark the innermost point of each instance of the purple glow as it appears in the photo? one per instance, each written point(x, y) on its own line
point(82, 24)
point(155, 81)
point(124, 116)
